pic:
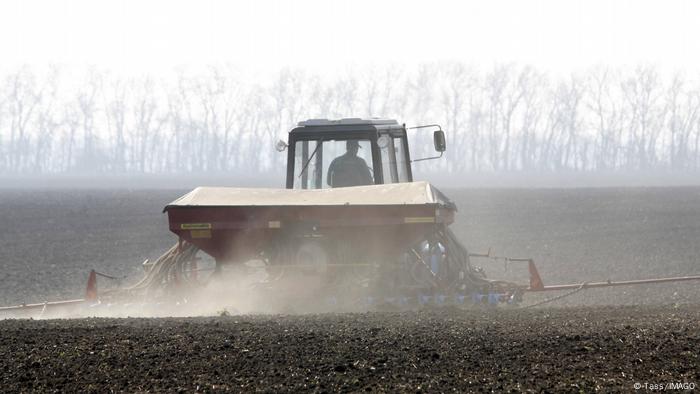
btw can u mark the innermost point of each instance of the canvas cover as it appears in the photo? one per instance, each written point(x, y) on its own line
point(409, 193)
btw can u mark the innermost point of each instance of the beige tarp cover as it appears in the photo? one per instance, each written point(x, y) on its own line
point(411, 193)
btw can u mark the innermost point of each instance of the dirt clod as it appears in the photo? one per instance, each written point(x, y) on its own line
point(574, 349)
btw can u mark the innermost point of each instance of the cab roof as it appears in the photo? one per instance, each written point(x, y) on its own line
point(347, 121)
point(346, 126)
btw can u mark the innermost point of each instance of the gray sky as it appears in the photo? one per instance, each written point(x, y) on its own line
point(330, 36)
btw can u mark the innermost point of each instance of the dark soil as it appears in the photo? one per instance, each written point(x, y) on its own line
point(552, 350)
point(51, 239)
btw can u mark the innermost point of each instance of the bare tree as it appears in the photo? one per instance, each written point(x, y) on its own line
point(47, 123)
point(460, 83)
point(116, 102)
point(509, 118)
point(86, 103)
point(641, 93)
point(533, 107)
point(684, 109)
point(23, 99)
point(604, 118)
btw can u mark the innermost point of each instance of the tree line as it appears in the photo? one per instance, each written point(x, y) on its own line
point(505, 118)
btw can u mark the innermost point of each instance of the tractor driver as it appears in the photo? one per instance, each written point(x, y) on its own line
point(349, 169)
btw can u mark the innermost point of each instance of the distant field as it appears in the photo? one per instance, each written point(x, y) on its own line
point(50, 239)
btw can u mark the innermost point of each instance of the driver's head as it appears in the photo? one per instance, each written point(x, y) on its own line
point(352, 146)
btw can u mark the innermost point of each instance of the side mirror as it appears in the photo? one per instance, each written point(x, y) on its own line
point(281, 146)
point(439, 140)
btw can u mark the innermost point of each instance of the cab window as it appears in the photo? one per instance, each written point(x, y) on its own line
point(393, 155)
point(332, 163)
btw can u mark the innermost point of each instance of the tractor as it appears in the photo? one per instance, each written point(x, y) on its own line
point(351, 230)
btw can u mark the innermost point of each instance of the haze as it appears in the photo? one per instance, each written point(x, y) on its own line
point(328, 37)
point(575, 75)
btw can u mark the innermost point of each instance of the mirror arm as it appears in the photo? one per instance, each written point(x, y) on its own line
point(423, 127)
point(428, 158)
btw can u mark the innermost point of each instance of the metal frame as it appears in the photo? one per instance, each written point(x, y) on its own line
point(424, 127)
point(342, 132)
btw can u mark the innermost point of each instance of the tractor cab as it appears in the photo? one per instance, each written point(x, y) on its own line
point(348, 152)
